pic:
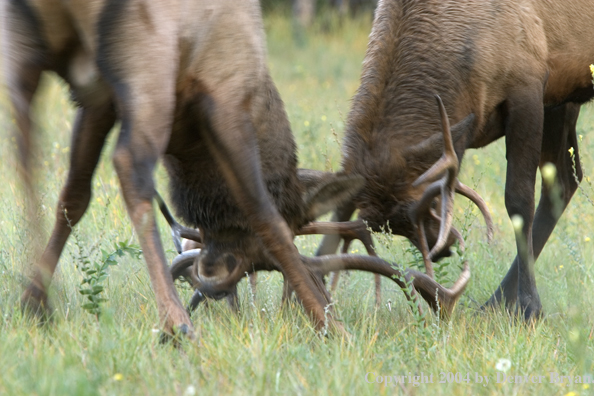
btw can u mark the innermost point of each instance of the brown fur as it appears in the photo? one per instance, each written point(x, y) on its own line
point(188, 80)
point(491, 59)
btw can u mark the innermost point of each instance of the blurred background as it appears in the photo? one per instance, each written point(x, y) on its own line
point(304, 11)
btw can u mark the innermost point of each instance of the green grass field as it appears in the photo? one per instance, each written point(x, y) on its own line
point(266, 349)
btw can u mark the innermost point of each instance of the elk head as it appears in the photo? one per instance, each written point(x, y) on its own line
point(216, 263)
point(421, 208)
point(441, 180)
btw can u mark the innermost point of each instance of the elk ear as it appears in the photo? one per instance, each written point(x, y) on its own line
point(325, 191)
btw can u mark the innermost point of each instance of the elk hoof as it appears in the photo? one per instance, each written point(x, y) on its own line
point(179, 332)
point(529, 308)
point(184, 329)
point(34, 304)
point(336, 329)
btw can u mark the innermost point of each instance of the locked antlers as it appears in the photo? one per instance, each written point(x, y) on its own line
point(177, 230)
point(443, 178)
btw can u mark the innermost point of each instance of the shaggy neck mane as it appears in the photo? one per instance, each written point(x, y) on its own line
point(416, 50)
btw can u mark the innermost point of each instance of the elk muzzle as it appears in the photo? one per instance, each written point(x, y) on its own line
point(215, 267)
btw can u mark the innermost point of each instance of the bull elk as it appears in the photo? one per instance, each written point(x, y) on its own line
point(214, 266)
point(515, 69)
point(190, 90)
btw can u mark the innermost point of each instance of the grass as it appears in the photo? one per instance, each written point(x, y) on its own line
point(266, 349)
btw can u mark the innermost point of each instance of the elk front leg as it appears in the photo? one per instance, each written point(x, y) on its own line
point(233, 144)
point(559, 135)
point(139, 61)
point(523, 137)
point(90, 130)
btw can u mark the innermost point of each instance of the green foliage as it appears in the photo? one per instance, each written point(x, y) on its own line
point(95, 273)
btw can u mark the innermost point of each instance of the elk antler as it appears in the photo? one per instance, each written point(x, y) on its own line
point(348, 231)
point(182, 262)
point(427, 287)
point(480, 203)
point(448, 164)
point(178, 231)
point(442, 176)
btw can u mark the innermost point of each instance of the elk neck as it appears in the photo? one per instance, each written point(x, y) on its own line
point(198, 189)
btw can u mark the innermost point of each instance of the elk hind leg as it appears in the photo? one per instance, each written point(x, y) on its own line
point(24, 57)
point(90, 130)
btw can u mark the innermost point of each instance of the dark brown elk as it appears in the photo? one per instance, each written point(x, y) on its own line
point(512, 69)
point(189, 89)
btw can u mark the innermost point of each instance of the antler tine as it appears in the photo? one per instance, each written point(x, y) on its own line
point(421, 209)
point(177, 230)
point(458, 236)
point(480, 203)
point(348, 231)
point(182, 262)
point(454, 231)
point(448, 143)
point(426, 286)
point(447, 217)
point(374, 264)
point(448, 163)
point(424, 248)
point(449, 160)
